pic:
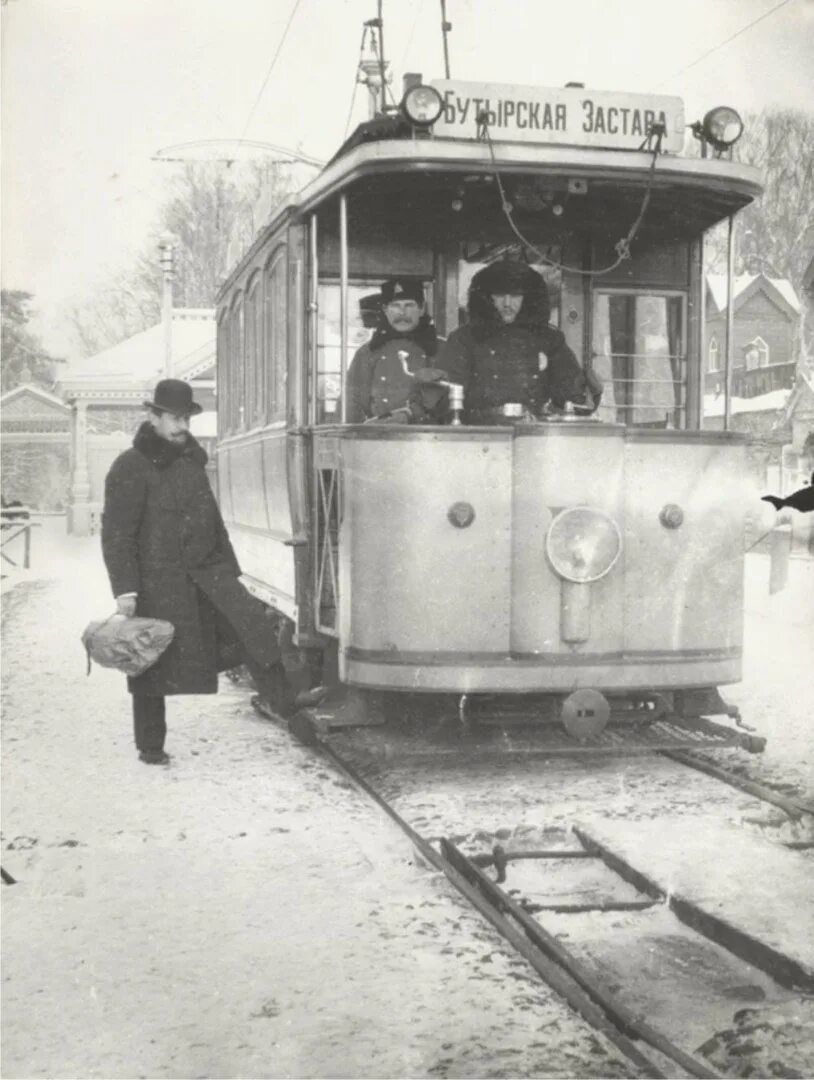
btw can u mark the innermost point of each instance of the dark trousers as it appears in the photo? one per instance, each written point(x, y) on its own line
point(149, 722)
point(149, 713)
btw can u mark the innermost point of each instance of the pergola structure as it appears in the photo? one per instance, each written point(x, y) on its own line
point(107, 391)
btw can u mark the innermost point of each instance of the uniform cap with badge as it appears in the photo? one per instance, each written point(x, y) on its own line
point(402, 289)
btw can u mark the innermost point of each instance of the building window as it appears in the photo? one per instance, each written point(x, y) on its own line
point(756, 354)
point(714, 354)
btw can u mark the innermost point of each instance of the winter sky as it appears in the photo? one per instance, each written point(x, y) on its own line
point(91, 89)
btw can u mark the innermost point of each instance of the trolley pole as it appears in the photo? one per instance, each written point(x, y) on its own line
point(166, 247)
point(445, 29)
point(730, 297)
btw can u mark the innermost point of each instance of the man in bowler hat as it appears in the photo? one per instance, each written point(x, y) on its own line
point(168, 556)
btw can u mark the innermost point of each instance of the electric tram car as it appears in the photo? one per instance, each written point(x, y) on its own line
point(569, 566)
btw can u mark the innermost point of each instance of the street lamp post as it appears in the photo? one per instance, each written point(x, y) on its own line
point(166, 247)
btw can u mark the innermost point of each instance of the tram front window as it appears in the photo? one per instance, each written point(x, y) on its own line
point(639, 353)
point(362, 317)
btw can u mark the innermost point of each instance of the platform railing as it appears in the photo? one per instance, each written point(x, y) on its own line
point(16, 525)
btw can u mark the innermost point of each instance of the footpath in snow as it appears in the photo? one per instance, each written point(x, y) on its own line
point(243, 913)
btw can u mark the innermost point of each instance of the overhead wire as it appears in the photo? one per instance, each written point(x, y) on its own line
point(406, 53)
point(622, 247)
point(721, 44)
point(271, 66)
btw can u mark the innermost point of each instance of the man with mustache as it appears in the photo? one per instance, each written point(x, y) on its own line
point(168, 556)
point(381, 374)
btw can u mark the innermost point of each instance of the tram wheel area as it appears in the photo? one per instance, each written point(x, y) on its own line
point(419, 724)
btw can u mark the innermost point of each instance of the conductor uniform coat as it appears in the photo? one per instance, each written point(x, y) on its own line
point(381, 374)
point(163, 538)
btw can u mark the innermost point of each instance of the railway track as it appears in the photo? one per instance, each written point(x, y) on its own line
point(648, 969)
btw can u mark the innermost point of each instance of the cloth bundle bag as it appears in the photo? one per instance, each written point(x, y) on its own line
point(128, 644)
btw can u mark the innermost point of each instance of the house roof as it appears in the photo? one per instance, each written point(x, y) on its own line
point(32, 401)
point(717, 287)
point(773, 401)
point(138, 361)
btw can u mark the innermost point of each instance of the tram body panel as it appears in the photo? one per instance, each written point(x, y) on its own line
point(684, 590)
point(417, 585)
point(421, 610)
point(554, 468)
point(253, 489)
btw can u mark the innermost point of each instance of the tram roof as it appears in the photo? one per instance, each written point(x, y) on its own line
point(733, 184)
point(697, 192)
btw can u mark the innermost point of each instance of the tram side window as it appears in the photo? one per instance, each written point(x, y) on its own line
point(224, 339)
point(253, 352)
point(237, 360)
point(639, 353)
point(276, 336)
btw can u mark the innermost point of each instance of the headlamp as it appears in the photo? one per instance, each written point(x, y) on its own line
point(422, 105)
point(582, 544)
point(721, 127)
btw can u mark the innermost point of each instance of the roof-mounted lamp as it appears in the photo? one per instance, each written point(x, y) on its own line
point(422, 105)
point(721, 128)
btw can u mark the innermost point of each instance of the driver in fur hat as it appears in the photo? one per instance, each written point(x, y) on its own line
point(508, 352)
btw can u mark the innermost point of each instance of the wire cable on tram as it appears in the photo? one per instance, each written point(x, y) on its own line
point(622, 246)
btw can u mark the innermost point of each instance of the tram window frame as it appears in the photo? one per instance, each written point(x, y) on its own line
point(237, 360)
point(275, 335)
point(252, 349)
point(367, 286)
point(675, 412)
point(223, 366)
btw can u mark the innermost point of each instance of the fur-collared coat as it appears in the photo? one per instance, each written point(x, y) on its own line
point(526, 362)
point(163, 538)
point(381, 374)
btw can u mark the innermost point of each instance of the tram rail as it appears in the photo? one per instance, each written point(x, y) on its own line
point(481, 878)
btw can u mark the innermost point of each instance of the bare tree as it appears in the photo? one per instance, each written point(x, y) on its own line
point(21, 355)
point(206, 206)
point(775, 234)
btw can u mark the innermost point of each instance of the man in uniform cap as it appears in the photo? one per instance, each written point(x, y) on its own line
point(381, 376)
point(168, 556)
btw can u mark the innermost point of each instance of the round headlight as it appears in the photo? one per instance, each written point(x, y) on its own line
point(722, 127)
point(583, 544)
point(422, 105)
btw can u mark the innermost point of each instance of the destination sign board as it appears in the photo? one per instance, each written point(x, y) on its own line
point(570, 116)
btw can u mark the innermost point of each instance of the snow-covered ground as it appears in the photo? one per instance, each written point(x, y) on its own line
point(246, 913)
point(243, 913)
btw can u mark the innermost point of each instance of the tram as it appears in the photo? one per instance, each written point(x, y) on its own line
point(574, 566)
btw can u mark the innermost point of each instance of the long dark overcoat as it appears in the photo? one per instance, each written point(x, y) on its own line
point(163, 538)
